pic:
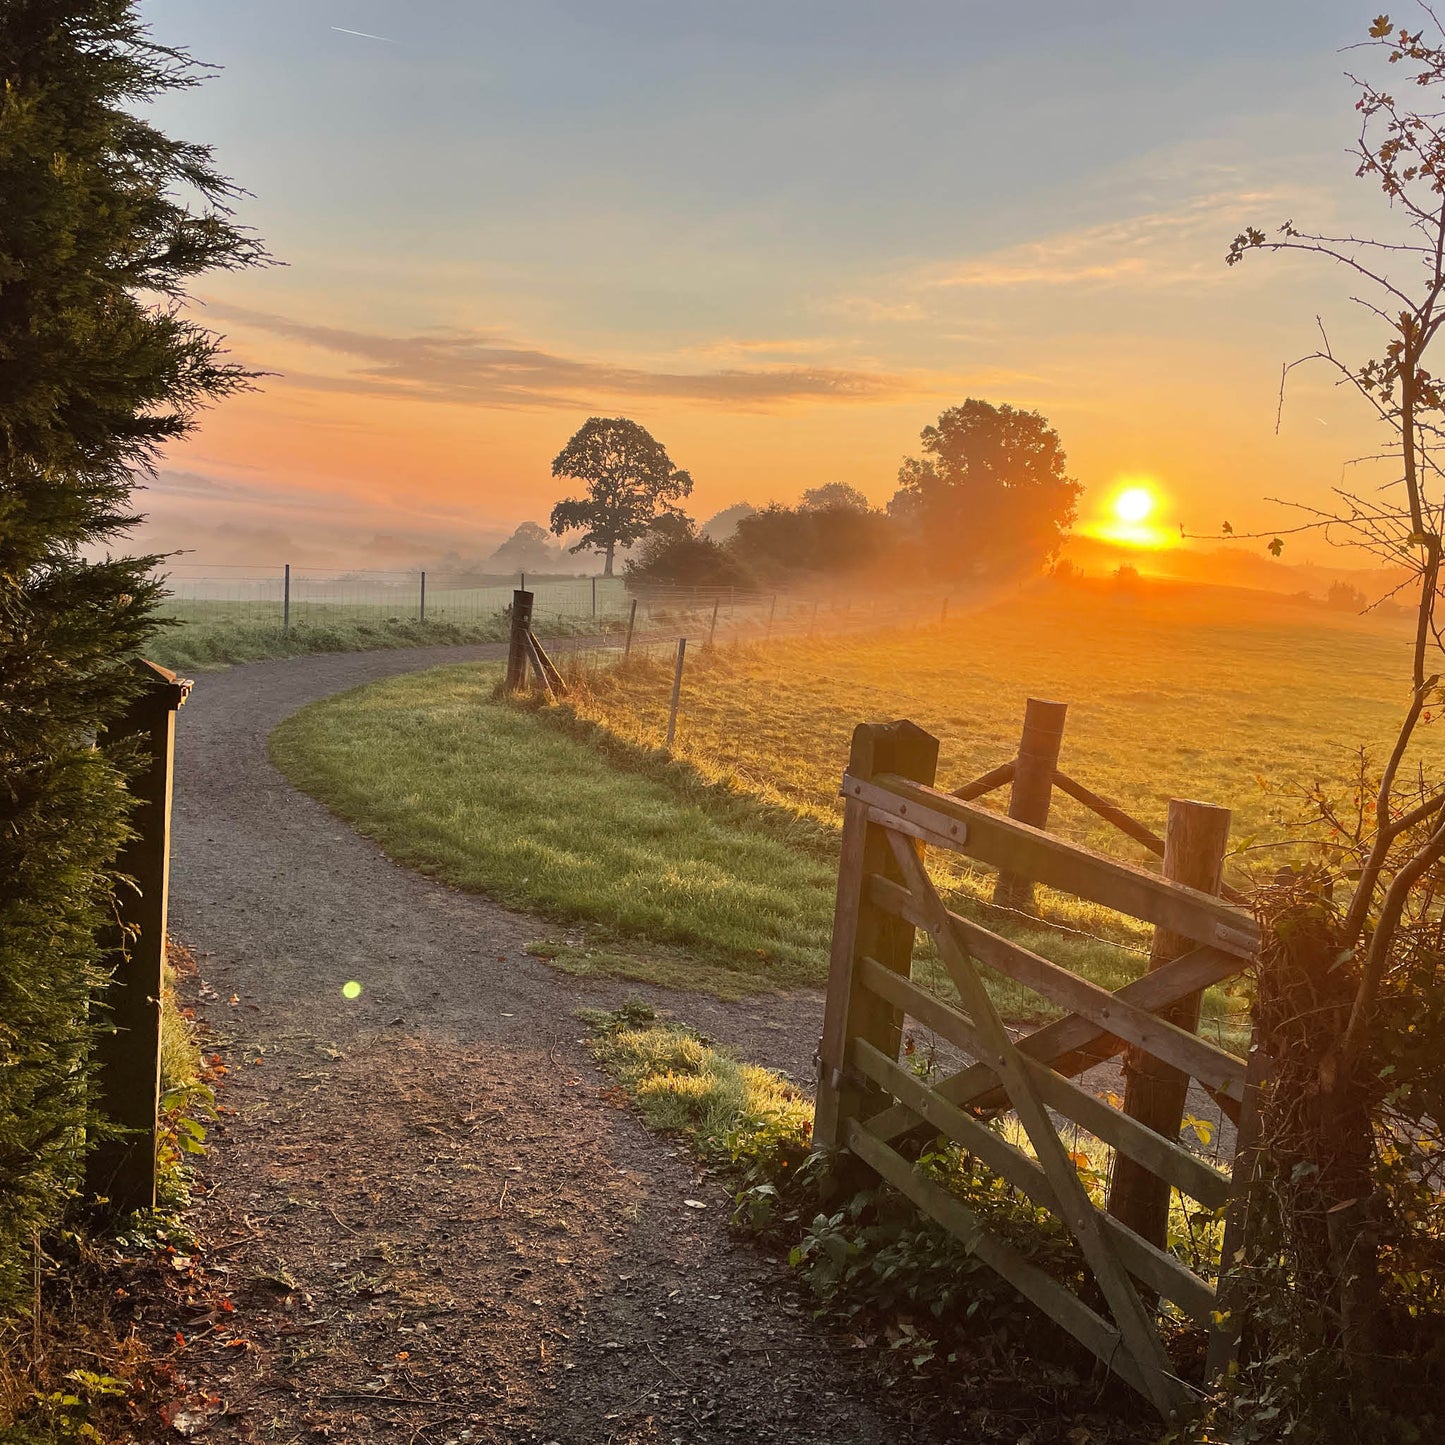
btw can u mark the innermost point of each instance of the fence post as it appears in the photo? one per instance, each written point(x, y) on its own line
point(517, 650)
point(286, 600)
point(1033, 787)
point(712, 626)
point(422, 615)
point(861, 928)
point(594, 596)
point(128, 1061)
point(771, 610)
point(631, 623)
point(1154, 1093)
point(943, 615)
point(676, 690)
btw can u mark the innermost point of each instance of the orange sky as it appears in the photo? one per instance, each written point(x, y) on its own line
point(464, 286)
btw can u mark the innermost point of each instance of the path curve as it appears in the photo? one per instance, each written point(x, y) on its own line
point(529, 1257)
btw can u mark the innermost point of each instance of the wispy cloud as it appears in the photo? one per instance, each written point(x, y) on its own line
point(482, 368)
point(1181, 243)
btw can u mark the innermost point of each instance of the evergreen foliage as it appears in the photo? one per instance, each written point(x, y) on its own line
point(103, 220)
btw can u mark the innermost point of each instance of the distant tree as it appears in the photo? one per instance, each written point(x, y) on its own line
point(1344, 598)
point(104, 222)
point(630, 481)
point(675, 554)
point(529, 549)
point(780, 541)
point(721, 526)
point(990, 488)
point(834, 496)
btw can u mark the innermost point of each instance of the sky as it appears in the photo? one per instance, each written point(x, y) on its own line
point(781, 234)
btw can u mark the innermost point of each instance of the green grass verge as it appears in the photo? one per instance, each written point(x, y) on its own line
point(457, 784)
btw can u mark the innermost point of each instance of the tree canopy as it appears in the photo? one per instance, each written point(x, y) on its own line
point(991, 491)
point(104, 221)
point(630, 481)
point(529, 549)
point(833, 497)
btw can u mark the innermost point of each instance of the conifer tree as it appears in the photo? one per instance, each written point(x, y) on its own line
point(103, 220)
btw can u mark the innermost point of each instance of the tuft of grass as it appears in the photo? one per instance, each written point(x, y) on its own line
point(684, 1084)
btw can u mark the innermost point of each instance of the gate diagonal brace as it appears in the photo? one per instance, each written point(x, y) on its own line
point(1136, 1328)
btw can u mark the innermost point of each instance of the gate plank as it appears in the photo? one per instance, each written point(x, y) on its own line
point(1016, 847)
point(1156, 1036)
point(1136, 1328)
point(1163, 1273)
point(1185, 1171)
point(1073, 1044)
point(1043, 1291)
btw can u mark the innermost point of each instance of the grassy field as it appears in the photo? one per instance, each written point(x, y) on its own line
point(219, 640)
point(1169, 696)
point(713, 866)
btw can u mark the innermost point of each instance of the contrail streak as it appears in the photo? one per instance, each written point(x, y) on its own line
point(365, 34)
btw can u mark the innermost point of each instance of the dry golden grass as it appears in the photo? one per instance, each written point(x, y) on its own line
point(1171, 694)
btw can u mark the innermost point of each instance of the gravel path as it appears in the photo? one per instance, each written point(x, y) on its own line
point(428, 1210)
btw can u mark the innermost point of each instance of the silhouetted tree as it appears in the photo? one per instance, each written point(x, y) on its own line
point(103, 221)
point(834, 496)
point(1344, 598)
point(630, 482)
point(529, 549)
point(782, 541)
point(723, 524)
point(674, 553)
point(990, 492)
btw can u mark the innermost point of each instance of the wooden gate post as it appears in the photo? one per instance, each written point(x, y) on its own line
point(517, 652)
point(1033, 788)
point(862, 929)
point(1154, 1092)
point(128, 1061)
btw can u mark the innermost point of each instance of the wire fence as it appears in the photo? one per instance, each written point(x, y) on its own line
point(287, 596)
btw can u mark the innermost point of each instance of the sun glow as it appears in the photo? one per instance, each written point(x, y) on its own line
point(1129, 515)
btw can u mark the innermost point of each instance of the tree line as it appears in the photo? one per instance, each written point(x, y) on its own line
point(989, 497)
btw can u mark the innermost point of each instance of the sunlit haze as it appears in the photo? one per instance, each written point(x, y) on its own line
point(782, 238)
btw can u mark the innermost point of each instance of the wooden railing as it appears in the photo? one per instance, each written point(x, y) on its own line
point(868, 1103)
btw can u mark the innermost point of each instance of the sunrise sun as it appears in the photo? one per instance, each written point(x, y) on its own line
point(1133, 504)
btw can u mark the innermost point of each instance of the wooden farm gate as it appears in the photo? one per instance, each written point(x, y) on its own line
point(868, 1102)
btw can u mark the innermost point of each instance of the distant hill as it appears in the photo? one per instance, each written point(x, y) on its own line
point(1236, 566)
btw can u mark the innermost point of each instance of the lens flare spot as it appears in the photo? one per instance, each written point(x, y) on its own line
point(351, 989)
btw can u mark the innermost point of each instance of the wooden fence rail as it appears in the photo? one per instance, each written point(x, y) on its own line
point(867, 1103)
